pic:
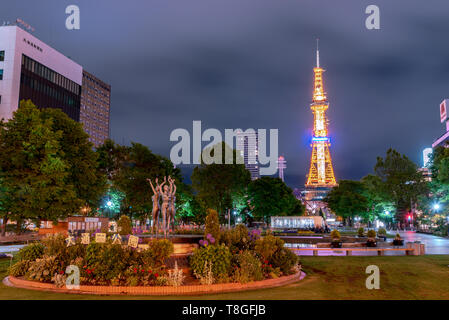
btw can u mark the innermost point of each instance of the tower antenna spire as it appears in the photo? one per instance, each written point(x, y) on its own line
point(317, 52)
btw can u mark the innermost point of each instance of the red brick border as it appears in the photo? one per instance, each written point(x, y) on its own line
point(157, 291)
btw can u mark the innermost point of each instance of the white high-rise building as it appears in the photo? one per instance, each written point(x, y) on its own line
point(247, 145)
point(31, 69)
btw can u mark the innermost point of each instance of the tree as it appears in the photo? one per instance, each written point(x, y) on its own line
point(34, 172)
point(379, 204)
point(272, 197)
point(128, 169)
point(77, 153)
point(401, 181)
point(218, 186)
point(347, 200)
point(4, 207)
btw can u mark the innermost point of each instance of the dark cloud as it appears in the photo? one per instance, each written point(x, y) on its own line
point(249, 64)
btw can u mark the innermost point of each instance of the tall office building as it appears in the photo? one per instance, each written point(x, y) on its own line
point(30, 69)
point(247, 145)
point(443, 141)
point(95, 107)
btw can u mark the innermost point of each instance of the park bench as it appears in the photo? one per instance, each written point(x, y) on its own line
point(380, 251)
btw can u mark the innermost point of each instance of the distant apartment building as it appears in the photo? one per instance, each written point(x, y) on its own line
point(31, 69)
point(95, 108)
point(247, 144)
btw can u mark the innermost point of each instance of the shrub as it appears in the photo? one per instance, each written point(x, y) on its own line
point(361, 232)
point(248, 267)
point(371, 234)
point(206, 276)
point(176, 276)
point(398, 236)
point(158, 252)
point(43, 269)
point(105, 261)
point(382, 231)
point(55, 245)
point(285, 260)
point(335, 234)
point(212, 225)
point(267, 246)
point(138, 275)
point(219, 258)
point(20, 268)
point(238, 239)
point(124, 225)
point(31, 252)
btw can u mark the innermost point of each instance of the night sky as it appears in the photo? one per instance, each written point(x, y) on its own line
point(248, 64)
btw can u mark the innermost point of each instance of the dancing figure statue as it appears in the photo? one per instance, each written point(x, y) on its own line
point(156, 208)
point(171, 207)
point(165, 195)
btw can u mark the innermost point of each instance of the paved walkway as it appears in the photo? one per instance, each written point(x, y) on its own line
point(434, 244)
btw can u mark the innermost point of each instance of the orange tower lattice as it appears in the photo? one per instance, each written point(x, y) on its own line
point(321, 172)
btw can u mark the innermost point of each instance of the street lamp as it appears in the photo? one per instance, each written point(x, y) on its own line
point(436, 206)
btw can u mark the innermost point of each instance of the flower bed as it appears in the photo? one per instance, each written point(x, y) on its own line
point(225, 257)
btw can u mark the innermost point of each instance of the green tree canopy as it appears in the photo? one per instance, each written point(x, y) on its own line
point(402, 183)
point(34, 169)
point(347, 200)
point(220, 186)
point(272, 197)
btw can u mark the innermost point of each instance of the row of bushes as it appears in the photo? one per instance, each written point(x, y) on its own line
point(240, 255)
point(99, 263)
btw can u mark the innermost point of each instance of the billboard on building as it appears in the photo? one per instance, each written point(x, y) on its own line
point(443, 110)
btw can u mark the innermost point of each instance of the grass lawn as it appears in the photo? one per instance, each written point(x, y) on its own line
point(401, 277)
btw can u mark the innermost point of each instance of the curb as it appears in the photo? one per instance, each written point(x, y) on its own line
point(156, 291)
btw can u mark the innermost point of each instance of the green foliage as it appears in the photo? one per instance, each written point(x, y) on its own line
point(20, 268)
point(285, 260)
point(382, 232)
point(361, 232)
point(158, 252)
point(33, 167)
point(81, 160)
point(371, 234)
point(272, 197)
point(347, 200)
point(128, 168)
point(56, 246)
point(124, 225)
point(107, 261)
point(31, 252)
point(237, 239)
point(400, 180)
point(267, 246)
point(220, 186)
point(335, 234)
point(212, 225)
point(247, 267)
point(43, 269)
point(219, 258)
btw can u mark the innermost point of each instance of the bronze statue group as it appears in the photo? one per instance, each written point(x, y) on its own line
point(166, 210)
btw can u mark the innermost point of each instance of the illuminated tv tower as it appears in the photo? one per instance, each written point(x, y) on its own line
point(321, 172)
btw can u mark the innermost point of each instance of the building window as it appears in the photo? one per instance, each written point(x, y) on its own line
point(1, 74)
point(2, 55)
